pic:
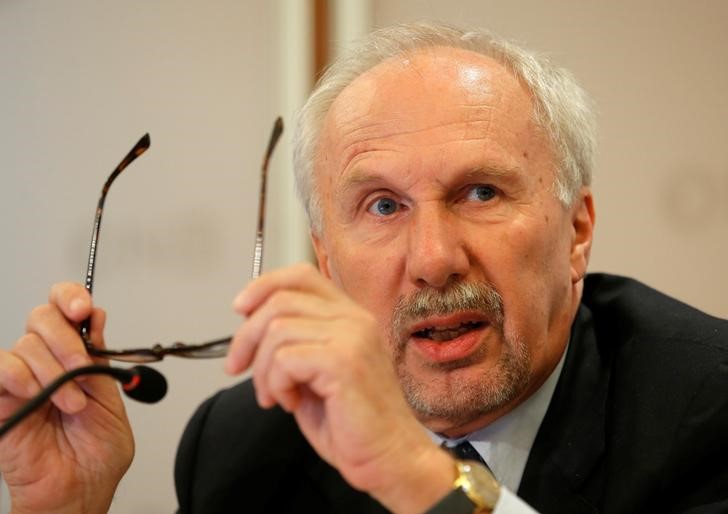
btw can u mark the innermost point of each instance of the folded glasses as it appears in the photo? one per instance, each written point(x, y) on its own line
point(206, 350)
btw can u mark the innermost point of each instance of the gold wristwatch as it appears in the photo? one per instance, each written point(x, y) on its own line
point(475, 490)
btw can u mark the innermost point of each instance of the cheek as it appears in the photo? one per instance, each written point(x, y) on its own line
point(369, 275)
point(540, 245)
point(533, 267)
point(371, 280)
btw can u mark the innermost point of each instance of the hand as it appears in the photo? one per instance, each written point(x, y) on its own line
point(320, 356)
point(69, 455)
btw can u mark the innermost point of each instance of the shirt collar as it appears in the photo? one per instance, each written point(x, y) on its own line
point(506, 442)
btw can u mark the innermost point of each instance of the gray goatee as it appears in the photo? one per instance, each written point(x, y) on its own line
point(447, 397)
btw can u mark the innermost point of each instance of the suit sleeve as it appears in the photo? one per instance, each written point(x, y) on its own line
point(187, 454)
point(234, 454)
point(701, 450)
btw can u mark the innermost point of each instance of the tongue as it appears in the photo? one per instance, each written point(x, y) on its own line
point(449, 333)
point(448, 344)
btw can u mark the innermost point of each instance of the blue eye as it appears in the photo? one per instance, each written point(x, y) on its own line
point(384, 207)
point(482, 193)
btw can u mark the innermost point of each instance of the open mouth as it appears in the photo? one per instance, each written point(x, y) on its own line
point(443, 334)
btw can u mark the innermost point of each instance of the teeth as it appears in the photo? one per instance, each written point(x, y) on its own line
point(447, 334)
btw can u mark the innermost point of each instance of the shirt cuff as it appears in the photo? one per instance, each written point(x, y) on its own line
point(509, 503)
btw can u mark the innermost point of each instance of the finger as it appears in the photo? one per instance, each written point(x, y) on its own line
point(16, 377)
point(58, 335)
point(96, 336)
point(46, 368)
point(282, 332)
point(101, 388)
point(301, 277)
point(303, 364)
point(284, 303)
point(287, 398)
point(98, 322)
point(72, 299)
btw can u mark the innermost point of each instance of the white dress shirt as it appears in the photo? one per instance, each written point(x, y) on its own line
point(506, 443)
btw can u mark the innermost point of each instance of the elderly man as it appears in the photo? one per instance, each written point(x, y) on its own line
point(446, 175)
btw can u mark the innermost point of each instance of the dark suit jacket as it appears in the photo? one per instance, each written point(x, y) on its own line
point(638, 423)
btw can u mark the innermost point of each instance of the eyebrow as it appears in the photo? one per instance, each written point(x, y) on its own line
point(494, 171)
point(362, 177)
point(358, 178)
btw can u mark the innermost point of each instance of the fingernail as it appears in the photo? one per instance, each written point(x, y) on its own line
point(79, 361)
point(75, 400)
point(78, 305)
point(229, 366)
point(239, 301)
point(32, 388)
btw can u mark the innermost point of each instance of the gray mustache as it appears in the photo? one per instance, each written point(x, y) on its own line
point(460, 296)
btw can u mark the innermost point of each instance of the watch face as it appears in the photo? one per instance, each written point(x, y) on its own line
point(479, 484)
point(474, 490)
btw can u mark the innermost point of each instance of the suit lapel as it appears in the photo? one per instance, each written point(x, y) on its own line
point(563, 472)
point(339, 496)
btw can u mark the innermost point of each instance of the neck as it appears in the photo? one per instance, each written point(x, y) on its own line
point(447, 429)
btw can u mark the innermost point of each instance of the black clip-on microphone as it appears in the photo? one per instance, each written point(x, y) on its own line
point(141, 383)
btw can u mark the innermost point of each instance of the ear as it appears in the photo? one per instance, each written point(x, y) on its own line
point(582, 220)
point(322, 255)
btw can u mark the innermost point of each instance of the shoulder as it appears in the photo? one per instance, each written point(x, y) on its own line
point(627, 310)
point(664, 368)
point(230, 442)
point(233, 449)
point(668, 361)
point(656, 342)
point(234, 411)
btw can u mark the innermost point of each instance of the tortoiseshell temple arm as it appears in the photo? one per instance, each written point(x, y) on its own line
point(210, 349)
point(258, 251)
point(138, 149)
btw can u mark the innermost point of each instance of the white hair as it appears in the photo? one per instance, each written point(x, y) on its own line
point(561, 107)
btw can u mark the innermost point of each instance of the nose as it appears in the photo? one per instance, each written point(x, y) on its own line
point(436, 253)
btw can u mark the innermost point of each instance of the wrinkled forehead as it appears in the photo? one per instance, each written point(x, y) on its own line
point(429, 70)
point(406, 92)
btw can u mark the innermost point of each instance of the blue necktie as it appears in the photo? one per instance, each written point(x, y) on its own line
point(465, 451)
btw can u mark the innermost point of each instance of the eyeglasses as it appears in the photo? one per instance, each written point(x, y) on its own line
point(210, 349)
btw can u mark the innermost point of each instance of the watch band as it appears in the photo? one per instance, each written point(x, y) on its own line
point(474, 491)
point(455, 502)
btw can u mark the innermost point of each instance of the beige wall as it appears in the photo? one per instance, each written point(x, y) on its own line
point(658, 71)
point(82, 80)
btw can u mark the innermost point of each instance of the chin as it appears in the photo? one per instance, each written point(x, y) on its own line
point(457, 394)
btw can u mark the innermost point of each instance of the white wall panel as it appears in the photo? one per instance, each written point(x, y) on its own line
point(82, 80)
